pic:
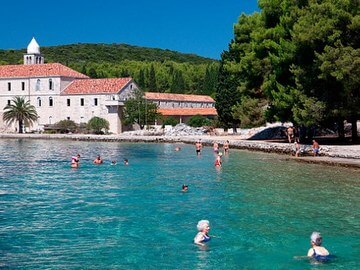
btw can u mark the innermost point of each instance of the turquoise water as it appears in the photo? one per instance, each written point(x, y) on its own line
point(262, 208)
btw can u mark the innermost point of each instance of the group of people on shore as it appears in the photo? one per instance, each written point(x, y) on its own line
point(75, 161)
point(292, 134)
point(315, 148)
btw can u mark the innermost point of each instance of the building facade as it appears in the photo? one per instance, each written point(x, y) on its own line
point(59, 93)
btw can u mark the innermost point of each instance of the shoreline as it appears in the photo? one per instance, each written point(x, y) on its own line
point(333, 155)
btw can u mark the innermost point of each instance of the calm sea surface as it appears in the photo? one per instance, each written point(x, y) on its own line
point(262, 208)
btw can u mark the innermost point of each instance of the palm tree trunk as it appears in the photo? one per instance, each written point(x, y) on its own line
point(20, 126)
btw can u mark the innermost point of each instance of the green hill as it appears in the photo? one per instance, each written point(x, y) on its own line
point(97, 53)
point(153, 69)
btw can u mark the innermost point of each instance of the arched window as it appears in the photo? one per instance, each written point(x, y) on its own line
point(37, 86)
point(51, 85)
point(51, 102)
point(39, 101)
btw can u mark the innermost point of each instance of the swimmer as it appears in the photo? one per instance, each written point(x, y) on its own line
point(113, 162)
point(177, 148)
point(202, 236)
point(185, 188)
point(126, 162)
point(316, 251)
point(218, 161)
point(216, 147)
point(98, 160)
point(75, 161)
point(198, 146)
point(226, 147)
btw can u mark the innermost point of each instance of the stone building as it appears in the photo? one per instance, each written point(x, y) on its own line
point(59, 92)
point(181, 106)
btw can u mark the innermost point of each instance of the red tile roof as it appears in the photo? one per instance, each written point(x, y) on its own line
point(187, 111)
point(178, 97)
point(38, 70)
point(96, 86)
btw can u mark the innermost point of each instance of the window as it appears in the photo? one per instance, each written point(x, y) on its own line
point(51, 101)
point(68, 102)
point(38, 101)
point(81, 102)
point(68, 118)
point(37, 86)
point(9, 86)
point(23, 86)
point(9, 102)
point(95, 101)
point(51, 86)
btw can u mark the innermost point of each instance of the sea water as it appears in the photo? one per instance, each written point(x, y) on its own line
point(262, 208)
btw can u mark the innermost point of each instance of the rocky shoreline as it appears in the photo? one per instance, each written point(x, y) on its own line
point(348, 156)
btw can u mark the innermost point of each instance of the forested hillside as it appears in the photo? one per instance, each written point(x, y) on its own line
point(153, 69)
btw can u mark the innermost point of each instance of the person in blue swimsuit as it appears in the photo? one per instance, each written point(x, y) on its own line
point(318, 252)
point(202, 236)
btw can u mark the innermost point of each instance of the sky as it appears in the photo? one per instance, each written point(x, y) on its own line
point(202, 27)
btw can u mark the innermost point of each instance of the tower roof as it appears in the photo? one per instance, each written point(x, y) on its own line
point(33, 47)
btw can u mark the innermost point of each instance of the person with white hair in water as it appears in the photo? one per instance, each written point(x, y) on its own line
point(202, 236)
point(318, 252)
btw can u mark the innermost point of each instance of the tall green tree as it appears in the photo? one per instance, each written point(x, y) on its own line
point(227, 94)
point(152, 79)
point(137, 110)
point(298, 60)
point(178, 83)
point(21, 111)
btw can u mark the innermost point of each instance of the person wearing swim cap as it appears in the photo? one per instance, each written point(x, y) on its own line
point(202, 236)
point(318, 252)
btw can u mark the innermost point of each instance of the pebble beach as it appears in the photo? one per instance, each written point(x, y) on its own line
point(334, 155)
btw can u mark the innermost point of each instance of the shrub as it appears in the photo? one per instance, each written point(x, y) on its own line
point(170, 121)
point(198, 121)
point(65, 126)
point(97, 124)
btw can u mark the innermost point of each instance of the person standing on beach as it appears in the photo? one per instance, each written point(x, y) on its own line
point(297, 148)
point(198, 146)
point(290, 133)
point(315, 148)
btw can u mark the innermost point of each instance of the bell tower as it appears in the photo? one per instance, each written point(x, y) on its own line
point(33, 55)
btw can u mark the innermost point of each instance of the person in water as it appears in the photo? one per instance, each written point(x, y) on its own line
point(185, 188)
point(126, 161)
point(226, 147)
point(113, 162)
point(198, 146)
point(75, 161)
point(98, 160)
point(216, 147)
point(202, 236)
point(317, 252)
point(218, 161)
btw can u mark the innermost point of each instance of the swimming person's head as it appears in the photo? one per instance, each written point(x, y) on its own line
point(316, 238)
point(202, 225)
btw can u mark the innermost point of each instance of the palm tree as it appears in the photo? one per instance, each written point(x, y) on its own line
point(20, 110)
